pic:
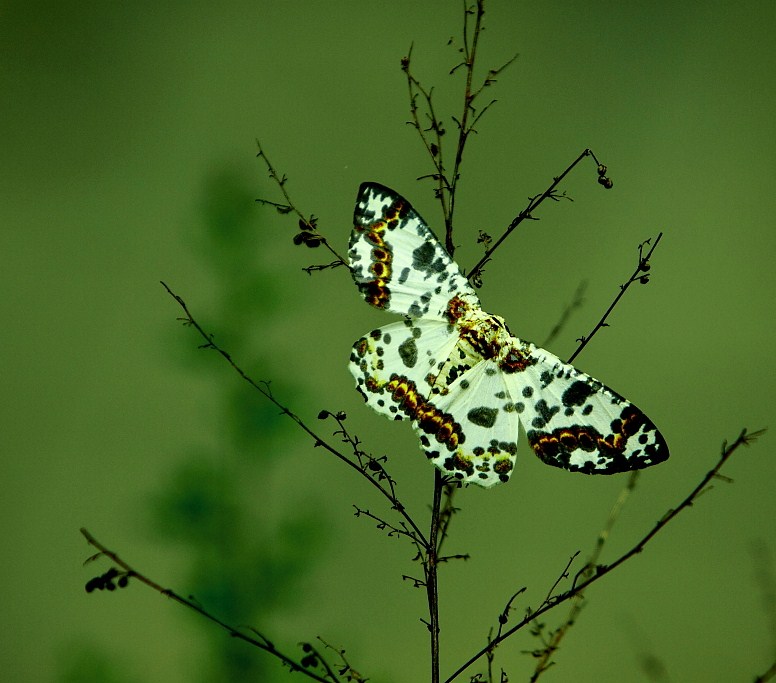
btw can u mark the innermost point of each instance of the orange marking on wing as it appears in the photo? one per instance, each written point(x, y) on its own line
point(429, 418)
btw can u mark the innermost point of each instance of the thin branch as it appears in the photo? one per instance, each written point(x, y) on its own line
point(433, 144)
point(323, 266)
point(527, 213)
point(319, 441)
point(767, 676)
point(446, 514)
point(470, 116)
point(576, 302)
point(639, 275)
point(744, 439)
point(314, 657)
point(432, 132)
point(577, 602)
point(503, 619)
point(309, 234)
point(346, 670)
point(470, 55)
point(386, 526)
point(368, 463)
point(262, 642)
point(563, 575)
point(431, 566)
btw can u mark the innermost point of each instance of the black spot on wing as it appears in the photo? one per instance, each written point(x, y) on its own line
point(408, 352)
point(423, 256)
point(544, 412)
point(482, 416)
point(577, 394)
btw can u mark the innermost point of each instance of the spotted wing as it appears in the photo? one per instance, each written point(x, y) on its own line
point(396, 261)
point(396, 366)
point(573, 421)
point(469, 430)
point(458, 402)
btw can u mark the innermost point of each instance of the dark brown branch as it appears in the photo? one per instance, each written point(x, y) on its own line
point(345, 670)
point(446, 514)
point(767, 676)
point(319, 441)
point(639, 275)
point(432, 135)
point(262, 642)
point(744, 439)
point(308, 225)
point(431, 566)
point(464, 129)
point(544, 656)
point(434, 145)
point(526, 213)
point(391, 529)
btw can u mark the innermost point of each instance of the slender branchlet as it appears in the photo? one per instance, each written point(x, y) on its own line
point(308, 234)
point(640, 275)
point(544, 655)
point(475, 274)
point(431, 128)
point(390, 529)
point(584, 579)
point(446, 515)
point(368, 467)
point(344, 668)
point(314, 667)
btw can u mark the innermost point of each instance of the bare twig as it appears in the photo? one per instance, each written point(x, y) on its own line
point(503, 618)
point(527, 213)
point(322, 266)
point(391, 529)
point(744, 439)
point(345, 670)
point(308, 226)
point(563, 575)
point(767, 676)
point(464, 127)
point(576, 302)
point(374, 467)
point(446, 514)
point(639, 275)
point(577, 603)
point(260, 641)
point(432, 132)
point(264, 389)
point(431, 135)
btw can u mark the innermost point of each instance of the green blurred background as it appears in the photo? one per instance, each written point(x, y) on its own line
point(128, 156)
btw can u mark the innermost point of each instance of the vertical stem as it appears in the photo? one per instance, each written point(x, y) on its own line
point(470, 54)
point(431, 577)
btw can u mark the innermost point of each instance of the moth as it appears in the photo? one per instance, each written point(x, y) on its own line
point(460, 377)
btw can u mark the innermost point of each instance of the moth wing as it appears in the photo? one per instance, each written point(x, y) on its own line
point(396, 261)
point(395, 366)
point(573, 421)
point(474, 431)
